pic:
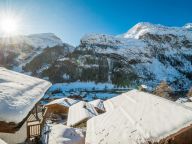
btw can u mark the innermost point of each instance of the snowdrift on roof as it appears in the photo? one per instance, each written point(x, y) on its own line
point(138, 117)
point(80, 112)
point(61, 134)
point(18, 94)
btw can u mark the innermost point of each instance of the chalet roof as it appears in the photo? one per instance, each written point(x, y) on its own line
point(66, 102)
point(18, 95)
point(137, 117)
point(60, 134)
point(2, 142)
point(188, 104)
point(98, 103)
point(80, 112)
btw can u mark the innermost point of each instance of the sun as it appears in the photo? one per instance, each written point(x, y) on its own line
point(9, 25)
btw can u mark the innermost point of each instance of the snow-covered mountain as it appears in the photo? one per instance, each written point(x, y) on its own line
point(147, 53)
point(42, 40)
point(17, 51)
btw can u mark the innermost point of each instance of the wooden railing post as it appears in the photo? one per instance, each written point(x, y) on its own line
point(28, 131)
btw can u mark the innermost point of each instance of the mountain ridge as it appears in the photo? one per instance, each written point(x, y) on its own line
point(146, 54)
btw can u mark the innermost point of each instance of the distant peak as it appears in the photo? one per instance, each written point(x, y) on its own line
point(145, 27)
point(188, 26)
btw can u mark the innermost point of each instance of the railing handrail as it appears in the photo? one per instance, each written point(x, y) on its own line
point(40, 124)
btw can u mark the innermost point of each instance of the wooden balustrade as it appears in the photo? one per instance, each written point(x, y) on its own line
point(35, 126)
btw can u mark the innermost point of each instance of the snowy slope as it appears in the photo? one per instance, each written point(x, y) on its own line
point(148, 52)
point(22, 49)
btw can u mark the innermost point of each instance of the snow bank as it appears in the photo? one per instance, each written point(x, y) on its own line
point(138, 117)
point(18, 94)
point(61, 134)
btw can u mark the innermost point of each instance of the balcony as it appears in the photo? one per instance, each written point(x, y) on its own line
point(35, 123)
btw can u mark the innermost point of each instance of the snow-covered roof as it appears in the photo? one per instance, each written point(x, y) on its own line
point(61, 134)
point(140, 117)
point(18, 94)
point(2, 142)
point(188, 104)
point(114, 102)
point(66, 102)
point(80, 112)
point(98, 103)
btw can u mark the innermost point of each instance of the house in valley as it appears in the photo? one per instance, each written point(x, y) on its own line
point(98, 104)
point(19, 116)
point(57, 110)
point(79, 113)
point(61, 105)
point(138, 117)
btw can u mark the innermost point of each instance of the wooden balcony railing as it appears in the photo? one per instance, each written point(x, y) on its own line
point(35, 124)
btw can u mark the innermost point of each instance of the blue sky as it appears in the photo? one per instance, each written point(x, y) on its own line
point(71, 19)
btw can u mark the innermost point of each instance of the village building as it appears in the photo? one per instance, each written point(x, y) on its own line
point(138, 117)
point(79, 113)
point(19, 97)
point(57, 110)
point(60, 106)
point(98, 104)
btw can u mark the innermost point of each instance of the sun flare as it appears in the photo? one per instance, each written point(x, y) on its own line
point(9, 25)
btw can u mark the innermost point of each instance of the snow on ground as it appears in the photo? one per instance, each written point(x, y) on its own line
point(138, 117)
point(61, 134)
point(87, 90)
point(18, 94)
point(81, 85)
